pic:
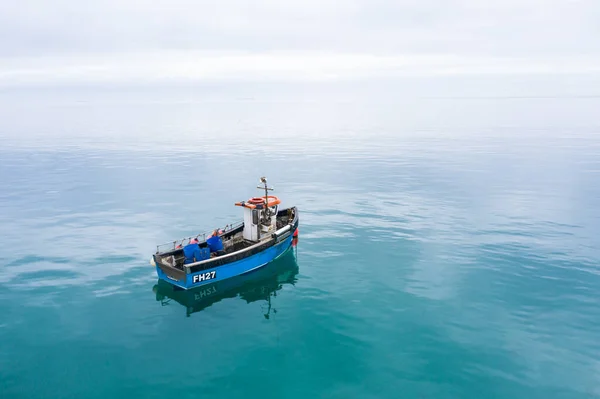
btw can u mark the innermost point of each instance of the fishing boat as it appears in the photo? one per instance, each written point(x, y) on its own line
point(264, 234)
point(249, 287)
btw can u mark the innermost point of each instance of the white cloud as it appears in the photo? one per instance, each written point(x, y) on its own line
point(119, 40)
point(376, 26)
point(290, 66)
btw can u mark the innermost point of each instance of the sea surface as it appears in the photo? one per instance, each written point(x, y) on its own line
point(449, 246)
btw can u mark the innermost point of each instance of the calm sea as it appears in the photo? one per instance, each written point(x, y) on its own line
point(448, 247)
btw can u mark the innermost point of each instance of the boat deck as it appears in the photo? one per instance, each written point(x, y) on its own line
point(232, 238)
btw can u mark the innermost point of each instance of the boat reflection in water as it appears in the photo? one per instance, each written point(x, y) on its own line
point(254, 286)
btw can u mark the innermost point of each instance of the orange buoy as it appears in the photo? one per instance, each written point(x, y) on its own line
point(254, 201)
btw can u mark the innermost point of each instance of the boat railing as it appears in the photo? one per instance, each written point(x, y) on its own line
point(169, 246)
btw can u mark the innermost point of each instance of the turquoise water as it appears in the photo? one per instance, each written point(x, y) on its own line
point(451, 257)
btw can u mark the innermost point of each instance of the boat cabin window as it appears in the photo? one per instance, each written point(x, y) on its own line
point(254, 216)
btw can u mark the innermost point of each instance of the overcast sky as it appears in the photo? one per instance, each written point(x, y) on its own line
point(112, 40)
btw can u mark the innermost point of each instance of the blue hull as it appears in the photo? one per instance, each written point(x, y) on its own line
point(229, 270)
point(250, 287)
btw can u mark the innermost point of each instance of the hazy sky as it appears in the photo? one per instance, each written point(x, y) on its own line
point(123, 40)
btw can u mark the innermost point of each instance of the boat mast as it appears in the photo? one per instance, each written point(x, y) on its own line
point(263, 180)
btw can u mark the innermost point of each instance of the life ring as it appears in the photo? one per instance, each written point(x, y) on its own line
point(253, 202)
point(272, 201)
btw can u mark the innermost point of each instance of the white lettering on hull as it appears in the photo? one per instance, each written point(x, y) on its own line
point(198, 278)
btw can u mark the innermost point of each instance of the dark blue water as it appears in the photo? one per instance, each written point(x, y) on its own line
point(448, 248)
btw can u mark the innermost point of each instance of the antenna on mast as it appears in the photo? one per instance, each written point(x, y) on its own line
point(263, 180)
